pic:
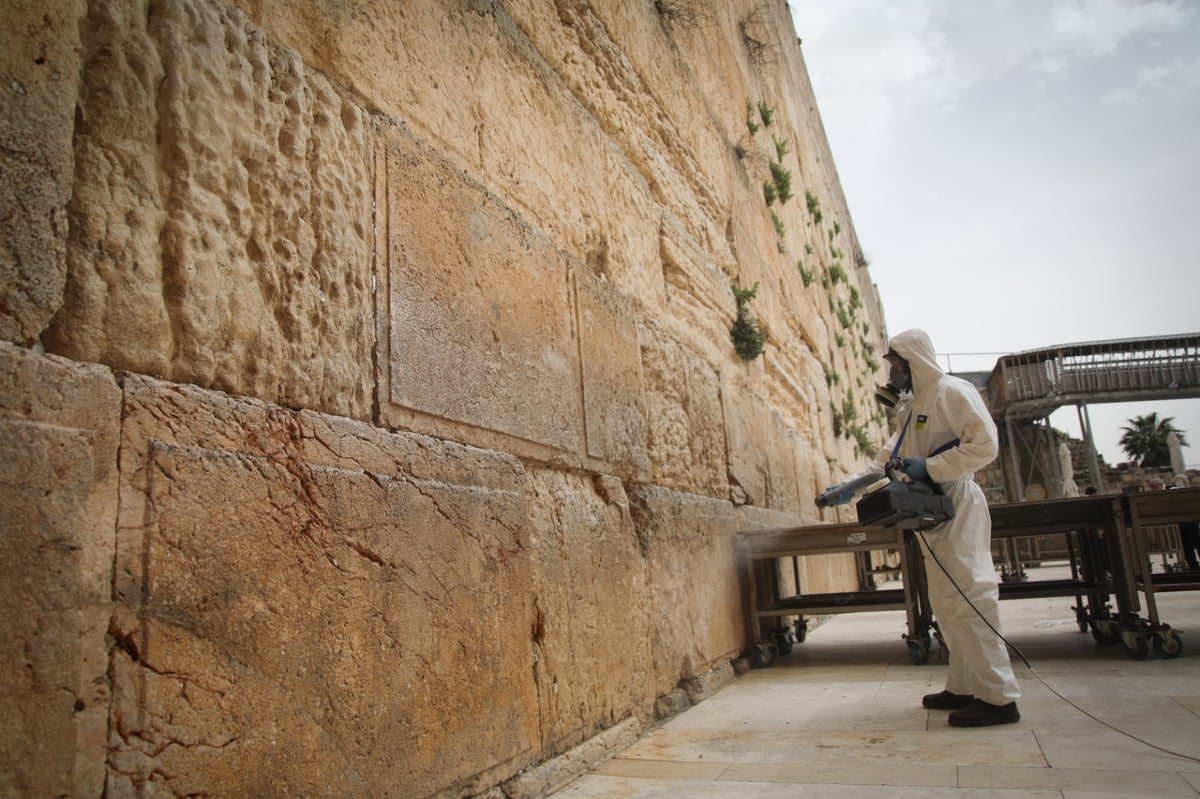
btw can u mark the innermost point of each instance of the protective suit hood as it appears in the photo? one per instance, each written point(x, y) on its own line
point(915, 347)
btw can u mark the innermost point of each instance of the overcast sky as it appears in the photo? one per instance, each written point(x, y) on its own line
point(1021, 173)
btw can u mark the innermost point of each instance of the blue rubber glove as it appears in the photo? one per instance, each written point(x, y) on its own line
point(842, 498)
point(915, 468)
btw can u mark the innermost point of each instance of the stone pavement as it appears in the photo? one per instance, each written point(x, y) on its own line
point(841, 718)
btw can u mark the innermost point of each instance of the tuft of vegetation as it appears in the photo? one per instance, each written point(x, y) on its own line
point(750, 121)
point(781, 147)
point(769, 192)
point(747, 337)
point(766, 113)
point(837, 274)
point(775, 220)
point(861, 438)
point(783, 181)
point(814, 206)
point(805, 275)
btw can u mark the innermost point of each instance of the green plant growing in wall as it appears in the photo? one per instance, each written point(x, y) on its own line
point(782, 178)
point(769, 192)
point(855, 300)
point(837, 227)
point(814, 206)
point(766, 113)
point(849, 410)
point(808, 250)
point(862, 439)
point(805, 275)
point(775, 220)
point(836, 273)
point(781, 147)
point(750, 122)
point(840, 340)
point(747, 337)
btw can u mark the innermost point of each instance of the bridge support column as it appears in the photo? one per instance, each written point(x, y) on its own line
point(1014, 462)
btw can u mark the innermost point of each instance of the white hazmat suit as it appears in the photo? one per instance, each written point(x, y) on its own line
point(942, 409)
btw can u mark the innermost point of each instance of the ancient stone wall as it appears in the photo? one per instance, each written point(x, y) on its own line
point(371, 420)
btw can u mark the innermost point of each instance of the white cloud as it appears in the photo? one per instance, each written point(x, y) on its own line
point(936, 50)
point(1092, 28)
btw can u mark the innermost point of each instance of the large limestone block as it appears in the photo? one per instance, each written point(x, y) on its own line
point(465, 76)
point(593, 663)
point(479, 318)
point(58, 494)
point(619, 62)
point(760, 445)
point(312, 606)
point(611, 363)
point(686, 436)
point(699, 295)
point(39, 59)
point(629, 259)
point(222, 230)
point(697, 612)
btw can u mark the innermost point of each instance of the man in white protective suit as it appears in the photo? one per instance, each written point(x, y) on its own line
point(946, 434)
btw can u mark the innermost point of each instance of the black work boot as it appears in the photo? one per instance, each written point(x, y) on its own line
point(985, 714)
point(946, 701)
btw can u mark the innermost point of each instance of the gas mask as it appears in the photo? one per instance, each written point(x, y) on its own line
point(899, 381)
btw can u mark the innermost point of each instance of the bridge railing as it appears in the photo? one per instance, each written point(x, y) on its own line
point(1102, 369)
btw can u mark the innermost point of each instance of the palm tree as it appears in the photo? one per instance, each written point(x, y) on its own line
point(1145, 440)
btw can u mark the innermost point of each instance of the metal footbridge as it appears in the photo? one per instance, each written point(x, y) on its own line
point(1032, 384)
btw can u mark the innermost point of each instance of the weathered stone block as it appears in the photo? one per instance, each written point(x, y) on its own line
point(614, 406)
point(58, 490)
point(556, 772)
point(222, 230)
point(593, 661)
point(671, 704)
point(466, 77)
point(686, 436)
point(39, 59)
point(746, 433)
point(314, 606)
point(698, 623)
point(479, 319)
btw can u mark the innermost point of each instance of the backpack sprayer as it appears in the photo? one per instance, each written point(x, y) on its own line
point(907, 505)
point(915, 505)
